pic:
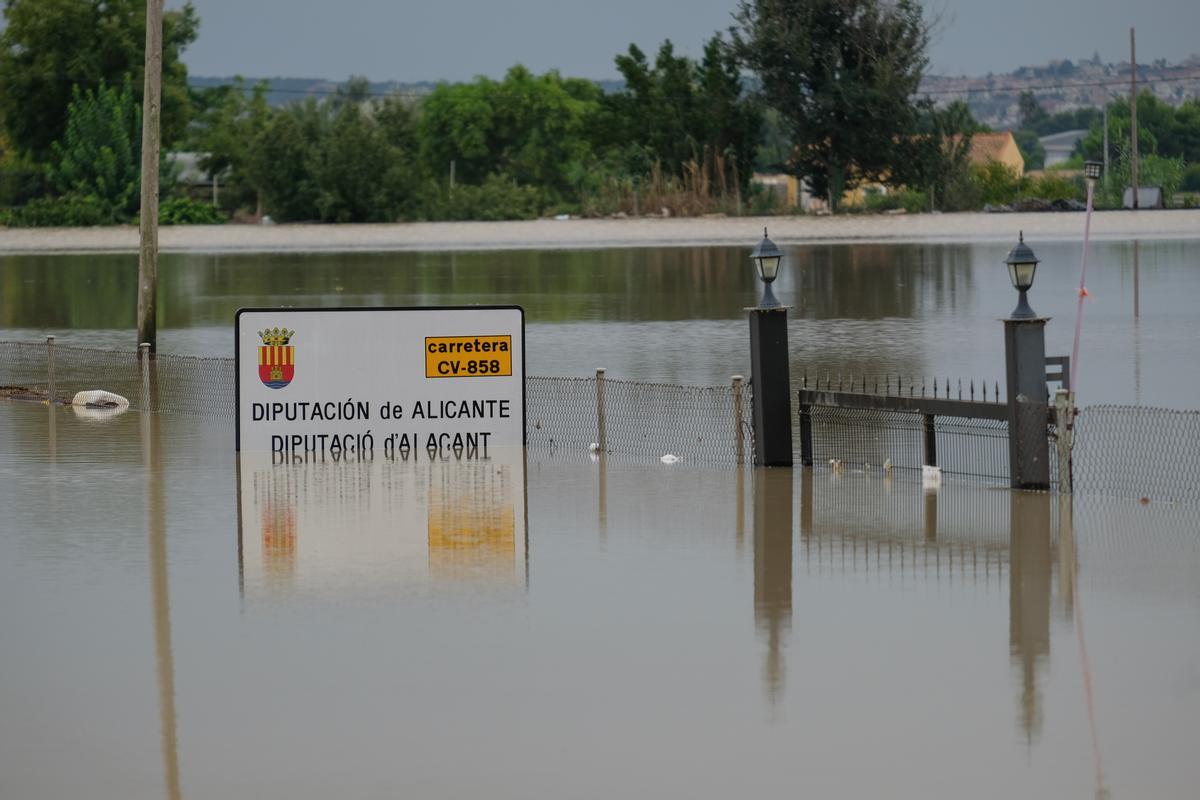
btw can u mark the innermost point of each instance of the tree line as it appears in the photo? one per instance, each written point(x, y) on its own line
point(824, 89)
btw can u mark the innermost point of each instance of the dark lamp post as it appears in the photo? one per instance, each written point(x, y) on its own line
point(766, 258)
point(1092, 170)
point(1022, 264)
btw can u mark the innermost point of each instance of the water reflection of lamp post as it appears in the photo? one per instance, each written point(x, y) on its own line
point(769, 365)
point(1025, 363)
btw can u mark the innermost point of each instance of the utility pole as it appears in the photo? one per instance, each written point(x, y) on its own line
point(1106, 137)
point(1133, 131)
point(151, 106)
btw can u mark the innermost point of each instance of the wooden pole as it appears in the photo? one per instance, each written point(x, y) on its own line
point(151, 106)
point(1133, 131)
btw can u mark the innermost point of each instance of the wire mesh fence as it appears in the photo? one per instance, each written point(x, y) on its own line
point(694, 423)
point(867, 438)
point(1137, 451)
point(1120, 451)
point(182, 384)
point(710, 424)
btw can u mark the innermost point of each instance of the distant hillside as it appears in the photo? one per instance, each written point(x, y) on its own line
point(1059, 86)
point(1063, 86)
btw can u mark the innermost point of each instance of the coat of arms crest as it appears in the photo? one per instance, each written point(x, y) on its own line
point(276, 357)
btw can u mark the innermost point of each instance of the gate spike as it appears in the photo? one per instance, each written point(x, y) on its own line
point(805, 384)
point(947, 388)
point(935, 387)
point(960, 388)
point(997, 391)
point(839, 381)
point(876, 386)
point(922, 386)
point(972, 388)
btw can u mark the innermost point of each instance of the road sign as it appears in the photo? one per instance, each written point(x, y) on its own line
point(315, 383)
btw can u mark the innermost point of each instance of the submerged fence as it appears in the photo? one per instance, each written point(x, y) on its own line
point(1122, 451)
point(694, 423)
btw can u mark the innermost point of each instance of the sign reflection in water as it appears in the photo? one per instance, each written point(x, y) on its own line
point(380, 525)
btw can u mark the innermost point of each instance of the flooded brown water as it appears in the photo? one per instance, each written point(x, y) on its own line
point(176, 623)
point(676, 314)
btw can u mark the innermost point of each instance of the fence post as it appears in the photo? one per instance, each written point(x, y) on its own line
point(930, 441)
point(806, 438)
point(737, 419)
point(144, 358)
point(51, 383)
point(1064, 425)
point(601, 435)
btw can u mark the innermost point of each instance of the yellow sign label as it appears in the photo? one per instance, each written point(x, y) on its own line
point(468, 356)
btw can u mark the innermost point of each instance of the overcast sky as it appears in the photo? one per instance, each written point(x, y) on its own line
point(457, 39)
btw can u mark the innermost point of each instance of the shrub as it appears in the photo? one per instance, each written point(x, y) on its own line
point(186, 211)
point(497, 198)
point(71, 210)
point(1191, 179)
point(1055, 187)
point(995, 183)
point(911, 200)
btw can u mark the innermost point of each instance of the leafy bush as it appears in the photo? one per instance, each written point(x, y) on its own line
point(1153, 170)
point(911, 200)
point(72, 210)
point(1191, 179)
point(995, 183)
point(186, 211)
point(1055, 187)
point(497, 198)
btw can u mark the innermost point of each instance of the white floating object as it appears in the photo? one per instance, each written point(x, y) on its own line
point(835, 464)
point(887, 465)
point(594, 447)
point(931, 476)
point(98, 398)
point(669, 459)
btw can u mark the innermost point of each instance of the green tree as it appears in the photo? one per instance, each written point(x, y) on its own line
point(843, 74)
point(1031, 148)
point(283, 158)
point(1031, 112)
point(100, 154)
point(534, 129)
point(229, 120)
point(361, 177)
point(677, 112)
point(49, 46)
point(1162, 130)
point(939, 160)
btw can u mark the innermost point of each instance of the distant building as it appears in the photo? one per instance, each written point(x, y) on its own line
point(193, 180)
point(999, 147)
point(1060, 146)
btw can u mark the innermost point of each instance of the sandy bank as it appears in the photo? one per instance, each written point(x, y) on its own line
point(601, 233)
